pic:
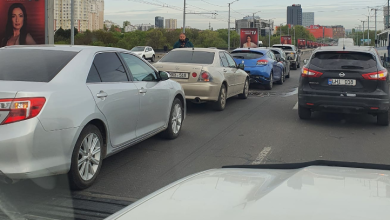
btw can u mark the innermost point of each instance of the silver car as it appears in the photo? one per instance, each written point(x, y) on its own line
point(63, 109)
point(206, 74)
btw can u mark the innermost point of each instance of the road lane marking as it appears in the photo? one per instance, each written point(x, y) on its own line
point(296, 106)
point(262, 155)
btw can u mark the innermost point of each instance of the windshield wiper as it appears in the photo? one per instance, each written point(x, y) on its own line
point(352, 67)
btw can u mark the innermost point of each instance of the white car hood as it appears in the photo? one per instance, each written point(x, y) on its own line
point(315, 192)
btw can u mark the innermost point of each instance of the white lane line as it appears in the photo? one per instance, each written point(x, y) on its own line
point(262, 155)
point(296, 106)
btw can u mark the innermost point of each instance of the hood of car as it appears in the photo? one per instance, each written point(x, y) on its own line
point(315, 192)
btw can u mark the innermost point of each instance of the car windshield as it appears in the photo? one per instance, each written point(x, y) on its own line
point(248, 55)
point(229, 111)
point(137, 49)
point(198, 57)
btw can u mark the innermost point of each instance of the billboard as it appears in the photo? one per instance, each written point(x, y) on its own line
point(285, 39)
point(301, 43)
point(249, 37)
point(22, 22)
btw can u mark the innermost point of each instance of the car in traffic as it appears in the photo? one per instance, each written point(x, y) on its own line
point(206, 75)
point(345, 42)
point(347, 79)
point(292, 53)
point(145, 52)
point(77, 105)
point(282, 58)
point(273, 191)
point(261, 65)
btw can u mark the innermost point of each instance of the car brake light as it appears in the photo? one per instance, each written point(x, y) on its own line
point(205, 76)
point(380, 75)
point(262, 62)
point(310, 73)
point(21, 108)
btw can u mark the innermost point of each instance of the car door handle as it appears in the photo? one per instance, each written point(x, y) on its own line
point(101, 94)
point(143, 91)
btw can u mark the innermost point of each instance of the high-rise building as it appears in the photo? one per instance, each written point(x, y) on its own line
point(88, 14)
point(307, 19)
point(294, 14)
point(159, 22)
point(338, 31)
point(171, 23)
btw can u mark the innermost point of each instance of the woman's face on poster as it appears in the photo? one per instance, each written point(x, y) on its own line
point(248, 39)
point(17, 18)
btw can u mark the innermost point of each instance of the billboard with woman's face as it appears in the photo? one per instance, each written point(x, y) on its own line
point(249, 37)
point(22, 22)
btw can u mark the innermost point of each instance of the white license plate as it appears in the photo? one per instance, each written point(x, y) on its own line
point(179, 75)
point(342, 82)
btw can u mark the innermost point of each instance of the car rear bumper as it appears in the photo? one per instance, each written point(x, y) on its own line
point(28, 151)
point(202, 90)
point(258, 75)
point(343, 104)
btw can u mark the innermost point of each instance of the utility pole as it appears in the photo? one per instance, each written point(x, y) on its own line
point(375, 28)
point(269, 39)
point(72, 22)
point(229, 26)
point(184, 17)
point(294, 37)
point(368, 30)
point(280, 28)
point(363, 32)
point(388, 13)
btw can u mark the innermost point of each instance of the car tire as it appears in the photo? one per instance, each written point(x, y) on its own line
point(245, 92)
point(271, 82)
point(294, 66)
point(153, 58)
point(86, 158)
point(288, 75)
point(221, 103)
point(282, 78)
point(143, 57)
point(383, 119)
point(175, 120)
point(299, 65)
point(304, 113)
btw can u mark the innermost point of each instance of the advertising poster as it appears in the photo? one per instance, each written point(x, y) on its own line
point(22, 22)
point(285, 40)
point(301, 43)
point(249, 37)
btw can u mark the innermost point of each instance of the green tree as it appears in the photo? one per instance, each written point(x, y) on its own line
point(156, 39)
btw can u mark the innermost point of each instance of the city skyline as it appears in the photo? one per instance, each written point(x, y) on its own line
point(346, 13)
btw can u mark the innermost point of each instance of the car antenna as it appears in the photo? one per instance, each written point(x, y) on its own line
point(343, 43)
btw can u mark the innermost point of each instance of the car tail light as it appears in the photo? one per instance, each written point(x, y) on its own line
point(205, 76)
point(262, 62)
point(380, 75)
point(21, 108)
point(310, 73)
point(194, 75)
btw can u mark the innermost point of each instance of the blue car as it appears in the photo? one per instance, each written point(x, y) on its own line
point(261, 64)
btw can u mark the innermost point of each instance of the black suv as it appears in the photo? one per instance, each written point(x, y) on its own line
point(346, 80)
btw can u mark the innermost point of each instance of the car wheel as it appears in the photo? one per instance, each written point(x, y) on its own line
point(299, 65)
point(175, 120)
point(282, 78)
point(245, 93)
point(153, 58)
point(383, 119)
point(143, 57)
point(288, 75)
point(221, 103)
point(304, 113)
point(294, 67)
point(271, 82)
point(87, 158)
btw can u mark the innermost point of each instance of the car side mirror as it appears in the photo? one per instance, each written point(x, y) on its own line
point(164, 75)
point(305, 61)
point(241, 66)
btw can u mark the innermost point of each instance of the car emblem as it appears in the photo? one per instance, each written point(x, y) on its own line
point(341, 74)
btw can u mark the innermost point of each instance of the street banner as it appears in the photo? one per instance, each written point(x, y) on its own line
point(22, 22)
point(249, 37)
point(285, 39)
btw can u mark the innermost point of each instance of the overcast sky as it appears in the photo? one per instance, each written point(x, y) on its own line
point(330, 12)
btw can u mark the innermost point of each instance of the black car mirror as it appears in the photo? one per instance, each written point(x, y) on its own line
point(164, 75)
point(241, 66)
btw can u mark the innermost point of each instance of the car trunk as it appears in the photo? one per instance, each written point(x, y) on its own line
point(181, 72)
point(248, 58)
point(342, 71)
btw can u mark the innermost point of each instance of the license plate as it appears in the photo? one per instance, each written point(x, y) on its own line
point(179, 75)
point(341, 82)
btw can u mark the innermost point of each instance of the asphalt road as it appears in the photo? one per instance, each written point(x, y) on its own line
point(265, 128)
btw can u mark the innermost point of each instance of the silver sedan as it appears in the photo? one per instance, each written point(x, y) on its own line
point(64, 109)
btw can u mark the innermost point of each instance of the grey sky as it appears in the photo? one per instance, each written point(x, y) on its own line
point(330, 12)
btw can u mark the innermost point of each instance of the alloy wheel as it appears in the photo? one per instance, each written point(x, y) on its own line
point(176, 118)
point(89, 156)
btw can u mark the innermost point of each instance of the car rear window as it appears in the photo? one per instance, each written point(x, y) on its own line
point(201, 57)
point(32, 65)
point(246, 55)
point(343, 60)
point(284, 47)
point(276, 52)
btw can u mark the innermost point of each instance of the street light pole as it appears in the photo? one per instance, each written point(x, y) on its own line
point(72, 22)
point(229, 25)
point(269, 39)
point(184, 17)
point(368, 29)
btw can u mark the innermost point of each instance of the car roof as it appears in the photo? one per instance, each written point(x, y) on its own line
point(347, 48)
point(74, 48)
point(283, 45)
point(262, 50)
point(199, 49)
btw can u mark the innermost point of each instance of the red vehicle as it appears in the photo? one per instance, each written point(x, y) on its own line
point(309, 44)
point(285, 40)
point(301, 43)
